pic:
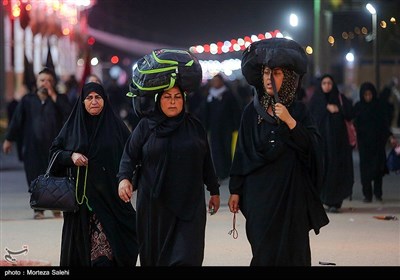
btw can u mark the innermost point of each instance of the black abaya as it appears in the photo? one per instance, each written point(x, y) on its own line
point(278, 187)
point(175, 165)
point(101, 139)
point(338, 158)
point(373, 133)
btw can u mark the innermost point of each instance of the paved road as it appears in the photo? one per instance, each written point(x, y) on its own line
point(352, 238)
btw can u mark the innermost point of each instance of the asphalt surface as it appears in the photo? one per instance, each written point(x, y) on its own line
point(352, 238)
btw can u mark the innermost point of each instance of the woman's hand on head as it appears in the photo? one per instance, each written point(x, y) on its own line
point(125, 190)
point(79, 159)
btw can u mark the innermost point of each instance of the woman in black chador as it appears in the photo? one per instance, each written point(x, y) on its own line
point(173, 150)
point(330, 109)
point(275, 175)
point(102, 232)
point(372, 135)
point(176, 163)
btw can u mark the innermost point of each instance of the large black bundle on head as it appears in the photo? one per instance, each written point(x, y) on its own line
point(274, 52)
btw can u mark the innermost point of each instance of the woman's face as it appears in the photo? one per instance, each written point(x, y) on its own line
point(367, 96)
point(326, 84)
point(172, 102)
point(94, 103)
point(278, 77)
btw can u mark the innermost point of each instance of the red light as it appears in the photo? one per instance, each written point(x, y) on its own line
point(274, 33)
point(91, 41)
point(114, 59)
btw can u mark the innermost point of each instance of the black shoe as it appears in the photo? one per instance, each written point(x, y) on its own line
point(378, 199)
point(367, 200)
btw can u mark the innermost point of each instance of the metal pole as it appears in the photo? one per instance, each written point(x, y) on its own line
point(375, 50)
point(2, 62)
point(317, 39)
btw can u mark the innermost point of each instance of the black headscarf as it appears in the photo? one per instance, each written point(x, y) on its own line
point(368, 86)
point(320, 99)
point(86, 134)
point(101, 139)
point(332, 97)
point(287, 92)
point(161, 124)
point(368, 114)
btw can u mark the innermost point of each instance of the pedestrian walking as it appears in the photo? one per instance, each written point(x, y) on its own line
point(36, 121)
point(173, 153)
point(276, 171)
point(331, 109)
point(102, 232)
point(373, 133)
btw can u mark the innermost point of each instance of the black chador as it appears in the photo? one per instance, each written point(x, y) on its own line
point(101, 139)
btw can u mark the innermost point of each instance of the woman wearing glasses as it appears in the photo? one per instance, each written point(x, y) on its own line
point(275, 174)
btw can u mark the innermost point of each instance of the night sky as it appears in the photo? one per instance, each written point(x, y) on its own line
point(184, 23)
point(187, 22)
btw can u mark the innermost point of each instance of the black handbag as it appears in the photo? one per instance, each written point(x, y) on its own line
point(53, 193)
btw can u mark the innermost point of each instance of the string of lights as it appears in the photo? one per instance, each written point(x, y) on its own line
point(233, 45)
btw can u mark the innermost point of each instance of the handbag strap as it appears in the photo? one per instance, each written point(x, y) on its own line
point(52, 160)
point(80, 201)
point(340, 99)
point(341, 104)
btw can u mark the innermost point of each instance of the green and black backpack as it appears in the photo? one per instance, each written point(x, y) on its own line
point(161, 70)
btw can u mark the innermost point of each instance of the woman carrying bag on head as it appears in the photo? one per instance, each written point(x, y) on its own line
point(102, 232)
point(276, 175)
point(172, 148)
